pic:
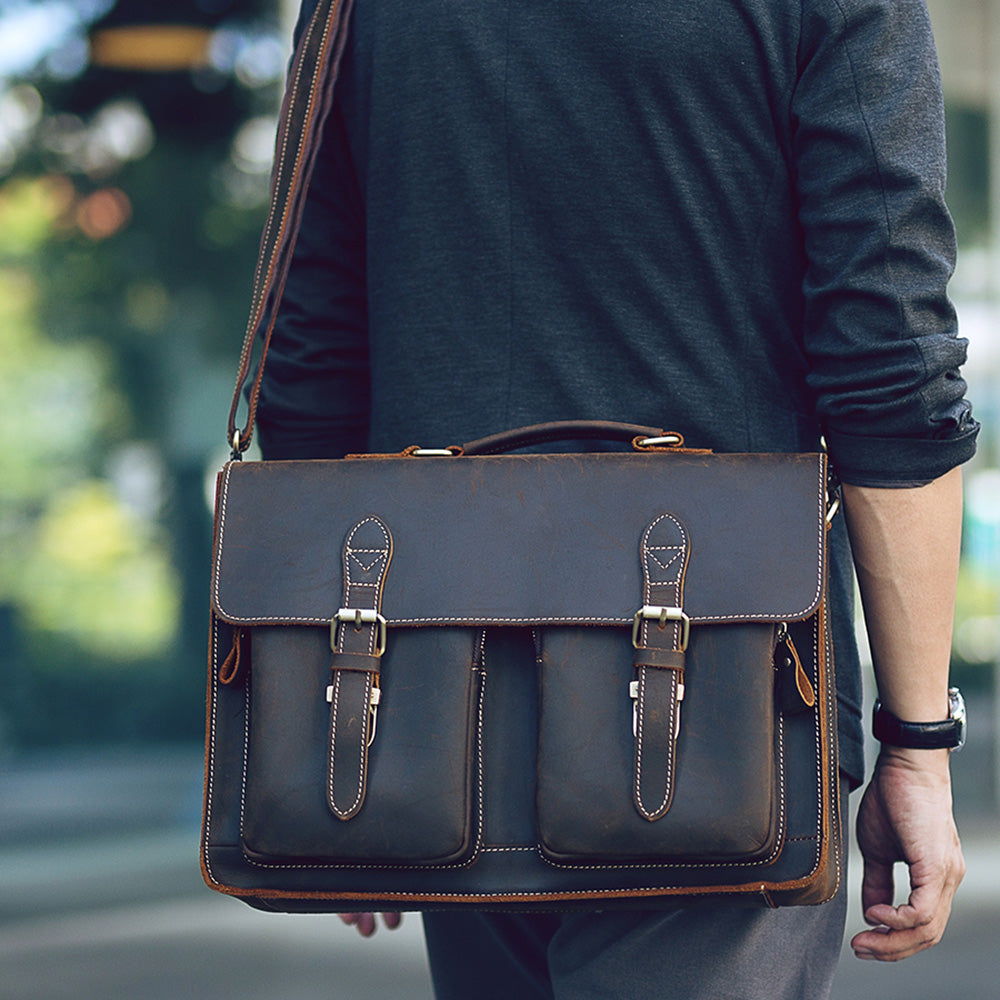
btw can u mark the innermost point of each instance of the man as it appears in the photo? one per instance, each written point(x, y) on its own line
point(725, 219)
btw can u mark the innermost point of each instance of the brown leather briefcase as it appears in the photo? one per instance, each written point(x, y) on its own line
point(522, 680)
point(466, 677)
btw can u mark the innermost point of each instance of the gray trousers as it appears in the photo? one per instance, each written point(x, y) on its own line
point(694, 953)
point(705, 951)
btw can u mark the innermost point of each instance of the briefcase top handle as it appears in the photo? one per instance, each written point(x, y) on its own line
point(571, 430)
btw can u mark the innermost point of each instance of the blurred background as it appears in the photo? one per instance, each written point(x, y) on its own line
point(135, 143)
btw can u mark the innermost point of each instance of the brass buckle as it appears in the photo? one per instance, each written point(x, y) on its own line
point(662, 615)
point(358, 617)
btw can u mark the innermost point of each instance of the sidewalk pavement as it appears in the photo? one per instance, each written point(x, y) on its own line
point(100, 895)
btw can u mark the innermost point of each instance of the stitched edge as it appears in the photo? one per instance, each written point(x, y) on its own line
point(210, 768)
point(288, 205)
point(637, 782)
point(766, 616)
point(477, 847)
point(346, 813)
point(260, 289)
point(695, 865)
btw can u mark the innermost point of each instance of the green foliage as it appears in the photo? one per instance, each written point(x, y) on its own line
point(75, 560)
point(100, 576)
point(127, 242)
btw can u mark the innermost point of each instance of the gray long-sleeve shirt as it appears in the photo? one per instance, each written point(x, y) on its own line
point(723, 218)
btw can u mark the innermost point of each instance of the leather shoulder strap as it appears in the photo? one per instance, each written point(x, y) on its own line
point(306, 106)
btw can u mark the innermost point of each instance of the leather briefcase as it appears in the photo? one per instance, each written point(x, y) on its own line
point(465, 677)
point(522, 680)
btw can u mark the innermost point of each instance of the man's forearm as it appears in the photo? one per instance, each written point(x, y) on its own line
point(906, 547)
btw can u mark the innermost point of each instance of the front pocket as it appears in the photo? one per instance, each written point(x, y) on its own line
point(726, 795)
point(418, 803)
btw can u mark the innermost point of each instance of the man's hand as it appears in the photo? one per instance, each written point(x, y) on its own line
point(367, 924)
point(906, 815)
point(906, 545)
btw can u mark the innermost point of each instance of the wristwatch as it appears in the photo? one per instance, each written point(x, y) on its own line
point(946, 735)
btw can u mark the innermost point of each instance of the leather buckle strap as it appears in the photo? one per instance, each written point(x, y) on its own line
point(660, 635)
point(358, 639)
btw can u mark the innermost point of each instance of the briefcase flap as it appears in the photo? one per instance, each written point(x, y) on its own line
point(521, 539)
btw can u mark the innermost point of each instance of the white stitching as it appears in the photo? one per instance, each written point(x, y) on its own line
point(782, 818)
point(818, 726)
point(531, 895)
point(210, 770)
point(349, 549)
point(362, 753)
point(763, 618)
point(665, 566)
point(671, 743)
point(331, 760)
point(678, 888)
point(246, 746)
point(353, 553)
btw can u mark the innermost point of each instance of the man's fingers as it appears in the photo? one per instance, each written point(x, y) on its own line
point(901, 931)
point(884, 945)
point(877, 887)
point(366, 923)
point(926, 904)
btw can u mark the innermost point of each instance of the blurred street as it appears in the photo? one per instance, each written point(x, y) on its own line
point(100, 897)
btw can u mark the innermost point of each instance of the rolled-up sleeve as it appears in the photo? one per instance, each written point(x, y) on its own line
point(879, 330)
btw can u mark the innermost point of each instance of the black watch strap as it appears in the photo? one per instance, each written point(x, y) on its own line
point(946, 735)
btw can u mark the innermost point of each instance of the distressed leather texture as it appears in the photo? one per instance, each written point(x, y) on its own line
point(526, 752)
point(524, 538)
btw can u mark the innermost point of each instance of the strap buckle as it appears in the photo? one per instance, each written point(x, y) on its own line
point(662, 615)
point(358, 617)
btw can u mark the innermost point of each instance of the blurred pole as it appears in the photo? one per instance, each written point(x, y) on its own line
point(993, 90)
